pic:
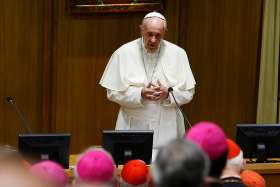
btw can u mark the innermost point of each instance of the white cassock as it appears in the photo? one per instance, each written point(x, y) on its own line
point(130, 69)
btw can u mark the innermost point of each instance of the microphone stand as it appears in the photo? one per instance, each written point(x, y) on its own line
point(186, 121)
point(10, 100)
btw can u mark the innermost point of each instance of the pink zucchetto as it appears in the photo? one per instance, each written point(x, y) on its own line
point(95, 166)
point(50, 171)
point(210, 137)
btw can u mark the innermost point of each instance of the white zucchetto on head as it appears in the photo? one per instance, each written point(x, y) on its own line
point(155, 14)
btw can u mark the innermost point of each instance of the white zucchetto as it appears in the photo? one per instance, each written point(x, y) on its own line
point(155, 14)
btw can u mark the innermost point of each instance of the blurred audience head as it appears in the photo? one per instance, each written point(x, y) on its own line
point(95, 165)
point(8, 151)
point(211, 138)
point(16, 176)
point(252, 179)
point(51, 172)
point(92, 185)
point(134, 173)
point(235, 162)
point(10, 155)
point(180, 163)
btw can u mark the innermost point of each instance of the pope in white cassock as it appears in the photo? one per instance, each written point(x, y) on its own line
point(138, 76)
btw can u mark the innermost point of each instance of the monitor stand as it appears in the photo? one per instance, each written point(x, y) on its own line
point(154, 154)
point(261, 152)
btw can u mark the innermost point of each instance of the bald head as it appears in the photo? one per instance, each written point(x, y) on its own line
point(152, 31)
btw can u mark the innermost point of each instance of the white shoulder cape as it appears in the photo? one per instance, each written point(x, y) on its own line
point(125, 67)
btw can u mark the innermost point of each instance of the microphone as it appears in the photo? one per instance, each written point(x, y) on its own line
point(186, 121)
point(11, 101)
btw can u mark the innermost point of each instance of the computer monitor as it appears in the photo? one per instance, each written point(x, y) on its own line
point(125, 145)
point(37, 147)
point(260, 141)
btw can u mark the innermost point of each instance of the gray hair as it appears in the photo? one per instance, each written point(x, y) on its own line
point(180, 163)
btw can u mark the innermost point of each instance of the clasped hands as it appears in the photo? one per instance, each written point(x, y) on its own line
point(155, 92)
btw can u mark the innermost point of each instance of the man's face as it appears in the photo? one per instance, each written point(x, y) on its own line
point(152, 32)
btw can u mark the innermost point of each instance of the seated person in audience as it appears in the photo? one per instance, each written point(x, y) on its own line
point(14, 175)
point(235, 164)
point(96, 167)
point(212, 140)
point(180, 163)
point(50, 172)
point(135, 173)
point(252, 179)
point(7, 151)
point(91, 185)
point(10, 155)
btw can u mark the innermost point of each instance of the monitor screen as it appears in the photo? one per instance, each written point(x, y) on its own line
point(36, 147)
point(260, 141)
point(127, 145)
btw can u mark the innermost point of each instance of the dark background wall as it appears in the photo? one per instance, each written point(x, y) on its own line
point(51, 62)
